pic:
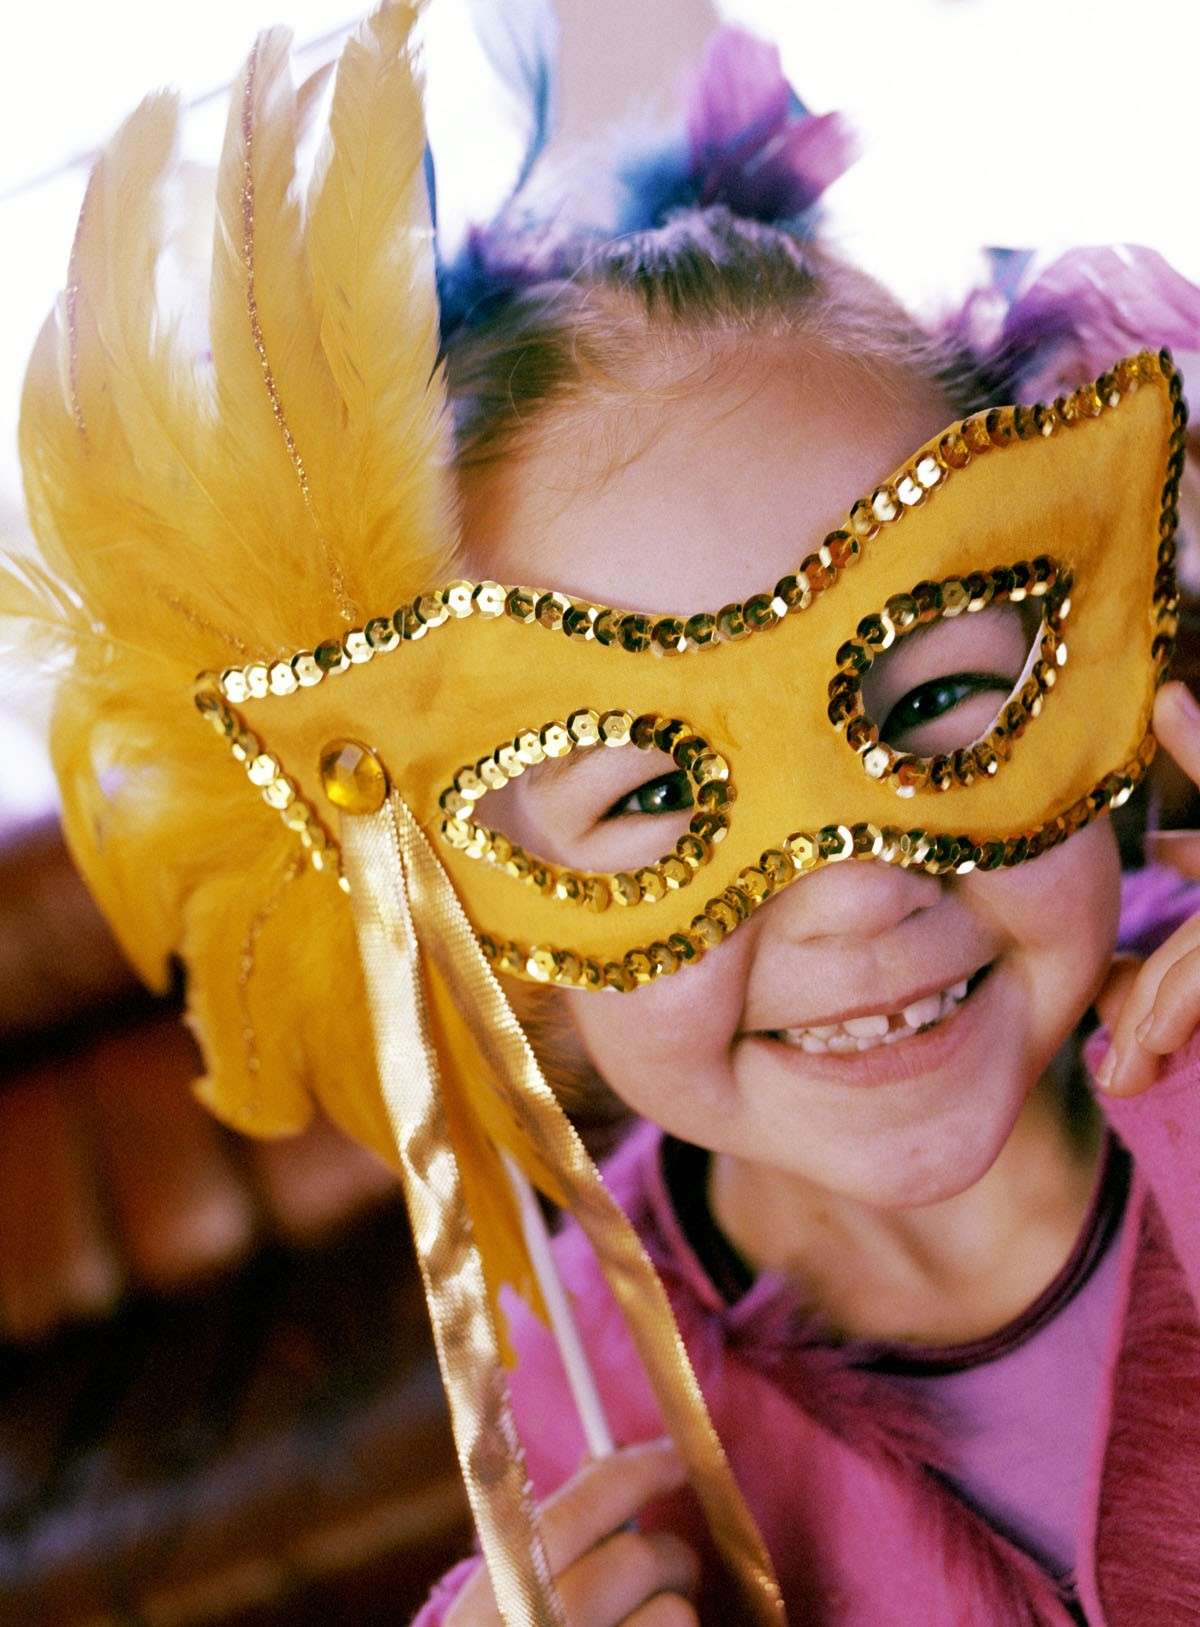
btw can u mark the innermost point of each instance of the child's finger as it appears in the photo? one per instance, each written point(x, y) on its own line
point(1173, 972)
point(604, 1496)
point(615, 1580)
point(1177, 726)
point(1173, 1017)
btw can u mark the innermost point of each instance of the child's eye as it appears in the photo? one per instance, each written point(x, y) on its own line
point(669, 794)
point(930, 701)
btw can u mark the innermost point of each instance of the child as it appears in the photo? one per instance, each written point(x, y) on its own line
point(942, 1304)
point(941, 1296)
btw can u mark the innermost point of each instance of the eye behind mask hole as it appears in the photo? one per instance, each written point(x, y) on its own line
point(943, 687)
point(908, 723)
point(669, 794)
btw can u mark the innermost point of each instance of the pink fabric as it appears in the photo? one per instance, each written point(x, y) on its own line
point(1019, 1427)
point(846, 1475)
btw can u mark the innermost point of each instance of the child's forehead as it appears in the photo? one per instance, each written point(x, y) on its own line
point(700, 492)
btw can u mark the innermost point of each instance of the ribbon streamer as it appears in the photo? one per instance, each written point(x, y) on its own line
point(463, 1087)
point(465, 1333)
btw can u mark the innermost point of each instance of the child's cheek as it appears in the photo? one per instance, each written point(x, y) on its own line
point(1060, 914)
point(666, 1049)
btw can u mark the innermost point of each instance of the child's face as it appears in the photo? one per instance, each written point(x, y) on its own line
point(698, 499)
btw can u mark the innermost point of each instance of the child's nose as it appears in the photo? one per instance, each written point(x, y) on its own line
point(854, 899)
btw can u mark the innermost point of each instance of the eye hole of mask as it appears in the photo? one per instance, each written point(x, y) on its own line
point(943, 686)
point(602, 810)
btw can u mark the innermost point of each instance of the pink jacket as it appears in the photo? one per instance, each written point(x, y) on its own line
point(840, 1470)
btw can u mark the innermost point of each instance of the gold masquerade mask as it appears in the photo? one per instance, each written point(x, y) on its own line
point(1067, 510)
point(337, 913)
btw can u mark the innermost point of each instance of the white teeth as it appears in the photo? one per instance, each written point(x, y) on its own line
point(879, 1028)
point(867, 1027)
point(923, 1012)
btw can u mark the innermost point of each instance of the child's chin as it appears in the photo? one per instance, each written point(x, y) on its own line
point(923, 1144)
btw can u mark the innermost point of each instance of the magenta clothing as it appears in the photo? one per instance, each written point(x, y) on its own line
point(851, 1477)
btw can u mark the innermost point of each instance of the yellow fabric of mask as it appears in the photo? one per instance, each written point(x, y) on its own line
point(1068, 511)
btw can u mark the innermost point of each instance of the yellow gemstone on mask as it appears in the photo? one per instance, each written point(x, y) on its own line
point(430, 609)
point(862, 520)
point(353, 777)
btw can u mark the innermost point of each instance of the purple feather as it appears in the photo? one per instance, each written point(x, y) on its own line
point(752, 144)
point(1080, 314)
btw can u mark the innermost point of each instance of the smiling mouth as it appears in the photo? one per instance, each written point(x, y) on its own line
point(870, 1032)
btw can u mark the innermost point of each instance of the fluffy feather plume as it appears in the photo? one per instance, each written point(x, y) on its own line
point(199, 506)
point(370, 244)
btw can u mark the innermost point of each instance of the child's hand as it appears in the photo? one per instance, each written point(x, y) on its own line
point(607, 1576)
point(1153, 1008)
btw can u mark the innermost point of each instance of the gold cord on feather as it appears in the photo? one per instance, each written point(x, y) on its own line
point(346, 606)
point(247, 962)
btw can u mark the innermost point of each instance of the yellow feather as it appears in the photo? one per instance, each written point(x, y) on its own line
point(371, 247)
point(173, 536)
point(279, 415)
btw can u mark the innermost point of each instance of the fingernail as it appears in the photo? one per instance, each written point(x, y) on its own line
point(1142, 1032)
point(1107, 1070)
point(1188, 703)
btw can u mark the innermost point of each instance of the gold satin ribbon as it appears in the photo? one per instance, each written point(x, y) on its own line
point(460, 1080)
point(460, 1307)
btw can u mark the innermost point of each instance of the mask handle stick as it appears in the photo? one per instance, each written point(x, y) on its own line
point(580, 1378)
